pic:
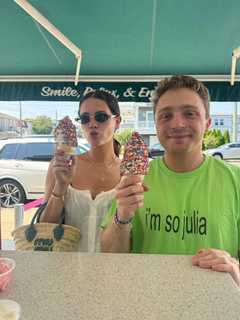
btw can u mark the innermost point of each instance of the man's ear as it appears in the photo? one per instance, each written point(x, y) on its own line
point(208, 124)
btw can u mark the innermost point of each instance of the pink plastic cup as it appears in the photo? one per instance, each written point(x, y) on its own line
point(7, 265)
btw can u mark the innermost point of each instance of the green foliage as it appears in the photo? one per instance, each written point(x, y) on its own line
point(214, 138)
point(123, 136)
point(226, 136)
point(42, 125)
point(210, 140)
point(220, 138)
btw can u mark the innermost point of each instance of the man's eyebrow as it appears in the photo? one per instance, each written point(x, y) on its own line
point(187, 106)
point(183, 106)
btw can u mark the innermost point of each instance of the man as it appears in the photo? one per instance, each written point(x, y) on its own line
point(188, 203)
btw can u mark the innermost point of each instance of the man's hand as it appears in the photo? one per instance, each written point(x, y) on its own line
point(217, 260)
point(129, 196)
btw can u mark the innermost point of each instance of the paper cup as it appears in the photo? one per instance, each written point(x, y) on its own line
point(9, 310)
point(6, 267)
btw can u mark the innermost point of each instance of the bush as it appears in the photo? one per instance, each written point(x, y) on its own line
point(123, 136)
point(214, 138)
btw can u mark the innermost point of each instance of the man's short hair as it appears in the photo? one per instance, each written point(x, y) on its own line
point(180, 82)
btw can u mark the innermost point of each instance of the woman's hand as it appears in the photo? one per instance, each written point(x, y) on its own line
point(62, 167)
point(217, 260)
point(129, 196)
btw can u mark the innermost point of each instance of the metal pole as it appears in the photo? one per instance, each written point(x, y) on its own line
point(237, 138)
point(20, 111)
point(235, 124)
point(56, 116)
point(19, 214)
point(0, 228)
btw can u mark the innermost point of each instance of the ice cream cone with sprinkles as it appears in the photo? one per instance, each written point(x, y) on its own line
point(135, 159)
point(66, 136)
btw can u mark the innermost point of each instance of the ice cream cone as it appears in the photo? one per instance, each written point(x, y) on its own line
point(135, 158)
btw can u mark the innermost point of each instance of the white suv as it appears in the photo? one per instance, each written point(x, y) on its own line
point(23, 167)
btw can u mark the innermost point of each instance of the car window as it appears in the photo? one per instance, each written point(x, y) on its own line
point(37, 151)
point(21, 151)
point(9, 151)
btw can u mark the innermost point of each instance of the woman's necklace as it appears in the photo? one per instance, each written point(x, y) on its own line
point(102, 168)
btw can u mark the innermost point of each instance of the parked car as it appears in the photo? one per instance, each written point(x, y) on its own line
point(23, 167)
point(228, 151)
point(156, 150)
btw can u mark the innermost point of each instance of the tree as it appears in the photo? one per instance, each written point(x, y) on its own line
point(213, 139)
point(220, 139)
point(226, 136)
point(123, 136)
point(210, 140)
point(42, 125)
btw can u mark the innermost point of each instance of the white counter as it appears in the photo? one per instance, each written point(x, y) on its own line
point(62, 286)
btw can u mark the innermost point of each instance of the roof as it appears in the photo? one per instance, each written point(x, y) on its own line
point(131, 39)
point(6, 116)
point(134, 37)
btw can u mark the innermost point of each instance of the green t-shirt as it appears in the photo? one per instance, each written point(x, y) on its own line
point(184, 212)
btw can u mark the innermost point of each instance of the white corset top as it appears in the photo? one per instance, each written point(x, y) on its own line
point(86, 214)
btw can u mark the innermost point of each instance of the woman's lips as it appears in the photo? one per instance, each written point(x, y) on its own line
point(93, 134)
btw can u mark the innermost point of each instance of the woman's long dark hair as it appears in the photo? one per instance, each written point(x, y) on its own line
point(112, 104)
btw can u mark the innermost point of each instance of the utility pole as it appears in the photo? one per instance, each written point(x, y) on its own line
point(56, 117)
point(235, 123)
point(20, 115)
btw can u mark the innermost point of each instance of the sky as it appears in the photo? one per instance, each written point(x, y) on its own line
point(58, 110)
point(31, 109)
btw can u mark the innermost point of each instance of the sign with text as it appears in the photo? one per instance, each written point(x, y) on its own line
point(123, 91)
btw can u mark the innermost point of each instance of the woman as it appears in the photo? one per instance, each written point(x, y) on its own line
point(85, 185)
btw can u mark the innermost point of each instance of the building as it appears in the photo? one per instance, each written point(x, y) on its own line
point(228, 122)
point(7, 122)
point(8, 126)
point(11, 127)
point(139, 116)
point(222, 122)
